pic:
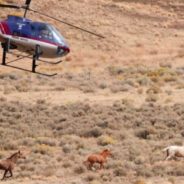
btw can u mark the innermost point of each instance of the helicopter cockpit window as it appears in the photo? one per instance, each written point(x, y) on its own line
point(45, 33)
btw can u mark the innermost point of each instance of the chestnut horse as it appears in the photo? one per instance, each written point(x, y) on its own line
point(8, 164)
point(100, 158)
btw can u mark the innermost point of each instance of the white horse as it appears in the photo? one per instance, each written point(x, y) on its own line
point(174, 151)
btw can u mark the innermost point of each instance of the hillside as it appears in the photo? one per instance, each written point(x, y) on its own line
point(124, 93)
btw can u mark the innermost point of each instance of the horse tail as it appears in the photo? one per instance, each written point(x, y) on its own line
point(165, 149)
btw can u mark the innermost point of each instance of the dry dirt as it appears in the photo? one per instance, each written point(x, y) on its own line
point(124, 93)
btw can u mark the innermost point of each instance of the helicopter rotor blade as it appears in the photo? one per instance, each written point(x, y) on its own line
point(69, 24)
point(9, 6)
point(28, 2)
point(26, 7)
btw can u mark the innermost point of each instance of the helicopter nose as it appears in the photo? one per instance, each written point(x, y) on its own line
point(62, 51)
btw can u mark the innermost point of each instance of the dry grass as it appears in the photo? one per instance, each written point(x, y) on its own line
point(68, 138)
point(136, 115)
point(140, 181)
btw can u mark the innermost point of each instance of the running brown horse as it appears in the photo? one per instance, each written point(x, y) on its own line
point(8, 164)
point(100, 158)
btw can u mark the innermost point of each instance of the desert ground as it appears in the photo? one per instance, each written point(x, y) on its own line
point(124, 93)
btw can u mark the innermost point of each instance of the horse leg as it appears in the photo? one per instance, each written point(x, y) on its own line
point(87, 164)
point(169, 157)
point(11, 173)
point(90, 165)
point(4, 176)
point(101, 165)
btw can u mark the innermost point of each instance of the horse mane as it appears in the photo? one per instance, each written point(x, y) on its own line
point(12, 155)
point(104, 151)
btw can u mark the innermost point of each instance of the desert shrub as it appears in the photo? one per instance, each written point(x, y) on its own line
point(144, 81)
point(114, 162)
point(178, 170)
point(123, 135)
point(136, 152)
point(1, 155)
point(142, 133)
point(71, 142)
point(9, 89)
point(103, 124)
point(49, 171)
point(3, 99)
point(106, 140)
point(46, 140)
point(102, 85)
point(115, 70)
point(159, 170)
point(140, 90)
point(67, 148)
point(24, 174)
point(158, 72)
point(78, 113)
point(59, 88)
point(120, 171)
point(28, 167)
point(154, 90)
point(27, 141)
point(67, 164)
point(115, 88)
point(43, 149)
point(140, 160)
point(107, 176)
point(157, 155)
point(152, 98)
point(169, 78)
point(10, 145)
point(182, 133)
point(41, 102)
point(22, 86)
point(93, 132)
point(91, 177)
point(79, 169)
point(144, 171)
point(165, 65)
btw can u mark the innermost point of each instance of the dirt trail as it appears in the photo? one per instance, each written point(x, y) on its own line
point(74, 96)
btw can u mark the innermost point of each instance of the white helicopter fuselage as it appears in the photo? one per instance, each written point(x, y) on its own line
point(28, 46)
point(23, 37)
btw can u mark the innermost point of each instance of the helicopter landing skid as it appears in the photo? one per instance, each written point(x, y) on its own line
point(36, 56)
point(41, 60)
point(50, 62)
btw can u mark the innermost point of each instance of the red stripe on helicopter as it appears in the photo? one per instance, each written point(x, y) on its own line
point(2, 29)
point(6, 28)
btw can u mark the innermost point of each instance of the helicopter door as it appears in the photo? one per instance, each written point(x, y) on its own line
point(21, 29)
point(16, 33)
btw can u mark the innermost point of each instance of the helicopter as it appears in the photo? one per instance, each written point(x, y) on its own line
point(37, 39)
